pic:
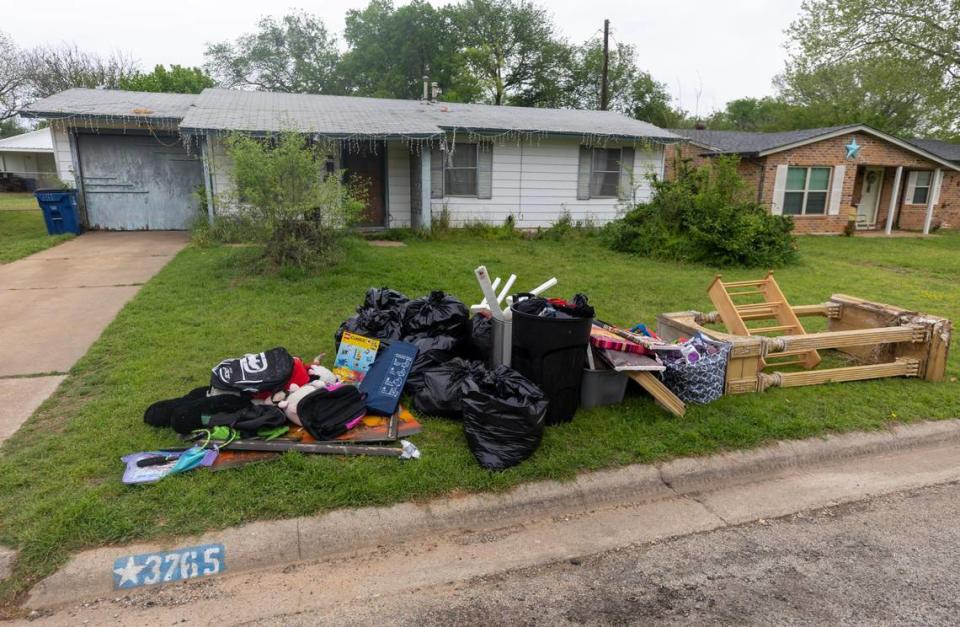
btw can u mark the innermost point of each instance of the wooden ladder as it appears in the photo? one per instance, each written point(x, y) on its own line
point(772, 306)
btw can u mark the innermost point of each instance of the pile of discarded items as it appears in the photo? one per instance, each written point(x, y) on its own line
point(512, 365)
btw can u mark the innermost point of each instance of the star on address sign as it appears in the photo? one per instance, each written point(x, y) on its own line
point(853, 149)
point(128, 573)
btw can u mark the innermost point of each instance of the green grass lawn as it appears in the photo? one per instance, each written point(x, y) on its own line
point(60, 488)
point(22, 231)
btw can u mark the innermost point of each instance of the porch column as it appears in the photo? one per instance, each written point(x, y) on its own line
point(931, 197)
point(425, 213)
point(206, 151)
point(894, 198)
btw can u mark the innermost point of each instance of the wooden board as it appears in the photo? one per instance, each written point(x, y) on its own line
point(660, 393)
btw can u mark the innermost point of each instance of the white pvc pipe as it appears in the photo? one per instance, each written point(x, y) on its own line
point(506, 288)
point(494, 285)
point(483, 278)
point(543, 287)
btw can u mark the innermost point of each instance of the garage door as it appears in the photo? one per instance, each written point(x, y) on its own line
point(135, 182)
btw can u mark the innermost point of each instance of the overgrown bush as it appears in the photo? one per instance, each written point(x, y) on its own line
point(285, 199)
point(705, 215)
point(565, 228)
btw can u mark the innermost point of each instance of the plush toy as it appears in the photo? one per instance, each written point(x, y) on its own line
point(289, 404)
point(319, 373)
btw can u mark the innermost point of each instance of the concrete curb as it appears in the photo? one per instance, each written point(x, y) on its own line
point(267, 544)
point(7, 558)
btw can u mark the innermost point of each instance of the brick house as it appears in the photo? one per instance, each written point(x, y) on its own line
point(827, 177)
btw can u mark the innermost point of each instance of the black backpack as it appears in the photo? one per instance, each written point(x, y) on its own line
point(325, 413)
point(254, 372)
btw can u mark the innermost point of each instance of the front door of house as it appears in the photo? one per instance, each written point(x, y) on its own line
point(869, 198)
point(364, 164)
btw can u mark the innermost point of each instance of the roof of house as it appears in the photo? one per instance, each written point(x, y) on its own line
point(339, 116)
point(945, 150)
point(111, 104)
point(35, 141)
point(752, 144)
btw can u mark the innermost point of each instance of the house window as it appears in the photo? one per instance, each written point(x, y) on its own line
point(921, 187)
point(461, 171)
point(806, 191)
point(605, 173)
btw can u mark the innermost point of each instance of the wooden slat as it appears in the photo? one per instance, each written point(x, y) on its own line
point(661, 393)
point(785, 316)
point(781, 364)
point(747, 293)
point(728, 311)
point(766, 304)
point(772, 329)
point(852, 337)
point(898, 368)
point(745, 283)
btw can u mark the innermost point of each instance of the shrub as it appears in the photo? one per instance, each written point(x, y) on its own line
point(285, 199)
point(705, 215)
point(564, 228)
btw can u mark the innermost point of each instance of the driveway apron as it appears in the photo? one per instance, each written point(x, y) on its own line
point(55, 304)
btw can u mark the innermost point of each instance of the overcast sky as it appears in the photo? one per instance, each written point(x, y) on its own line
point(707, 52)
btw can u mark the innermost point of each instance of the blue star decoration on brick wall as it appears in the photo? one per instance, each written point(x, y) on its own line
point(853, 149)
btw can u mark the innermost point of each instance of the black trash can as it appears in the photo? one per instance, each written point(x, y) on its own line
point(552, 352)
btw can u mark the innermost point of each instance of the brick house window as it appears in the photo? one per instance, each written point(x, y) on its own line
point(918, 186)
point(806, 191)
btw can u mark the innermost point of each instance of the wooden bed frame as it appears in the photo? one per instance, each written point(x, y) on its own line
point(885, 340)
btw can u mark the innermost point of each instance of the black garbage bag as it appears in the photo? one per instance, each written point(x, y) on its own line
point(384, 298)
point(503, 418)
point(443, 386)
point(379, 317)
point(436, 314)
point(373, 323)
point(481, 337)
point(431, 352)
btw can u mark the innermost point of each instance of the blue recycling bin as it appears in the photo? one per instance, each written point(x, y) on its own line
point(60, 212)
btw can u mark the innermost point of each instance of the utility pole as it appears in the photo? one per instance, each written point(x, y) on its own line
point(606, 65)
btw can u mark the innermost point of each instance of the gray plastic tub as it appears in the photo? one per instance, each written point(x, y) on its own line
point(602, 387)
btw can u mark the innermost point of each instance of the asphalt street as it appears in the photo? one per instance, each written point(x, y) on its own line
point(888, 560)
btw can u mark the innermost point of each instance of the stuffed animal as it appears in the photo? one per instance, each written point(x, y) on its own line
point(289, 404)
point(319, 373)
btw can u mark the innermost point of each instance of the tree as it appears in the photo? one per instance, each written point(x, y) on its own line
point(880, 93)
point(294, 53)
point(756, 114)
point(52, 69)
point(178, 79)
point(13, 77)
point(911, 46)
point(391, 49)
point(631, 90)
point(9, 128)
point(512, 49)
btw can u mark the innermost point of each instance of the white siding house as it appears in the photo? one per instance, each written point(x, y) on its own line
point(422, 159)
point(29, 156)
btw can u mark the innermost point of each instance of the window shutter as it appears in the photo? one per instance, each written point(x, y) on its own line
point(583, 173)
point(911, 187)
point(938, 175)
point(836, 189)
point(436, 173)
point(485, 170)
point(779, 187)
point(626, 173)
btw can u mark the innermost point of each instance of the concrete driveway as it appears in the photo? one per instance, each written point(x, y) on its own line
point(55, 304)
